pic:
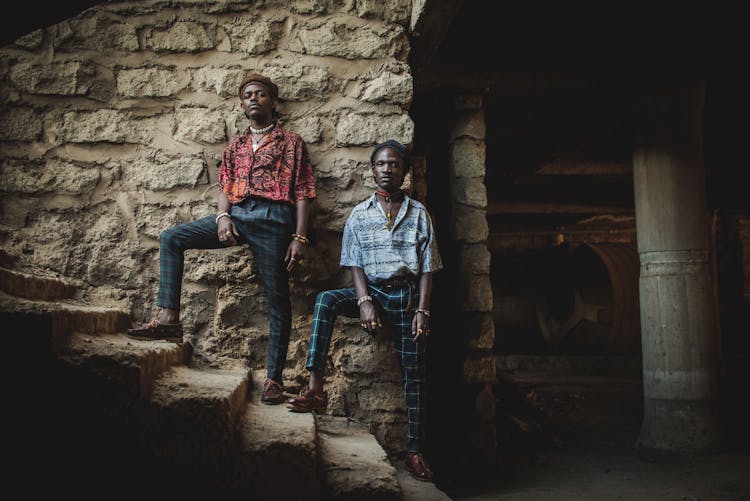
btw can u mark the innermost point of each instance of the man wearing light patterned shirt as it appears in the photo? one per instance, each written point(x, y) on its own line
point(390, 249)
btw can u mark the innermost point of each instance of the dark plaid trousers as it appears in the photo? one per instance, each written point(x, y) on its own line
point(266, 226)
point(395, 312)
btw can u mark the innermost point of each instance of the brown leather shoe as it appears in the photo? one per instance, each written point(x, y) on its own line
point(273, 392)
point(418, 467)
point(308, 401)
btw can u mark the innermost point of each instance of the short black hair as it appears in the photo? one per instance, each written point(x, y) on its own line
point(400, 148)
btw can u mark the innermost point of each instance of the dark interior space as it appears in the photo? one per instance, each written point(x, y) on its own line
point(557, 88)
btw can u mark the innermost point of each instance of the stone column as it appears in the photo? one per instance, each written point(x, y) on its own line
point(474, 292)
point(679, 335)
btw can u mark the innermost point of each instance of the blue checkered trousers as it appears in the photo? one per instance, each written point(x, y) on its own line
point(266, 226)
point(395, 309)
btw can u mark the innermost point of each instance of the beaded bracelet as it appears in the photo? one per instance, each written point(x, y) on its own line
point(221, 215)
point(423, 312)
point(300, 238)
point(363, 299)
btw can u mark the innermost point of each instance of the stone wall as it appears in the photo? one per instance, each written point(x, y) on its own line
point(474, 293)
point(111, 127)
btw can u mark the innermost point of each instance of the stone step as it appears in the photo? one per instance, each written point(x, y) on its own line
point(216, 397)
point(353, 465)
point(198, 410)
point(192, 422)
point(166, 427)
point(32, 286)
point(54, 321)
point(277, 457)
point(130, 364)
point(416, 490)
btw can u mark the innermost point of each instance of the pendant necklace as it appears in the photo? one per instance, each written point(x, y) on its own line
point(388, 199)
point(262, 132)
point(256, 144)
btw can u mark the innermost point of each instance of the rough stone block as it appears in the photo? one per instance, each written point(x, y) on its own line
point(480, 368)
point(469, 224)
point(470, 125)
point(475, 293)
point(20, 124)
point(469, 191)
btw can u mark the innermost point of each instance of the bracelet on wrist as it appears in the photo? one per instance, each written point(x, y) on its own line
point(221, 215)
point(300, 238)
point(363, 299)
point(423, 312)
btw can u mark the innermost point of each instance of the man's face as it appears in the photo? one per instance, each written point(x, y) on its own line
point(257, 102)
point(388, 170)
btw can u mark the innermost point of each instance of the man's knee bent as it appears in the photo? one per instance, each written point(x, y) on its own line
point(170, 238)
point(326, 298)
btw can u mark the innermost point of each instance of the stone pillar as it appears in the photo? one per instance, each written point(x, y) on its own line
point(474, 291)
point(679, 335)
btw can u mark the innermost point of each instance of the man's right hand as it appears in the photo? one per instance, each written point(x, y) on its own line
point(368, 318)
point(227, 232)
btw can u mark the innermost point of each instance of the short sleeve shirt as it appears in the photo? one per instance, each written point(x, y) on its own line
point(279, 170)
point(407, 250)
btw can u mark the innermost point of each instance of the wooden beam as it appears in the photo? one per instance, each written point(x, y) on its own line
point(499, 81)
point(518, 207)
point(579, 167)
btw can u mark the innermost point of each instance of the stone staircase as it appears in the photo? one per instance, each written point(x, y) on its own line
point(102, 411)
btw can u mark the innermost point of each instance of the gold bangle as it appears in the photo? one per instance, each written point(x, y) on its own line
point(300, 238)
point(363, 299)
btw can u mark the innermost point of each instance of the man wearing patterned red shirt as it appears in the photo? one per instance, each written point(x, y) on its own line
point(266, 186)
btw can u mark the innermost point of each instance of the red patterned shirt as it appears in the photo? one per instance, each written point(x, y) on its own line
point(280, 169)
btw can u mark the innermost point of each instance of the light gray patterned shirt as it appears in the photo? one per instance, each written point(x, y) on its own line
point(408, 249)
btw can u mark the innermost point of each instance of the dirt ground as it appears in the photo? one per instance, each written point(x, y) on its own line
point(600, 471)
point(580, 445)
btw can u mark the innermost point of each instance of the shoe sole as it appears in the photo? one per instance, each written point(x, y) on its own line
point(415, 477)
point(169, 339)
point(296, 408)
point(273, 402)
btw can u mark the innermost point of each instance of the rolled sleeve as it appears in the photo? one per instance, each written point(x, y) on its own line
point(351, 251)
point(305, 183)
point(430, 256)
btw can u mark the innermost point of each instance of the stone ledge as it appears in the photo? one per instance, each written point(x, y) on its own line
point(131, 364)
point(277, 457)
point(30, 286)
point(353, 465)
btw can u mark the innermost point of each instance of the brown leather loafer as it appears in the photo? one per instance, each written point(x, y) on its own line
point(308, 401)
point(273, 392)
point(418, 467)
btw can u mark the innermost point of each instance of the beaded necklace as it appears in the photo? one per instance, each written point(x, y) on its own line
point(262, 132)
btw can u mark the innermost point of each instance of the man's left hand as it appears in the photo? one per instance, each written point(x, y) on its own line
point(294, 255)
point(420, 327)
